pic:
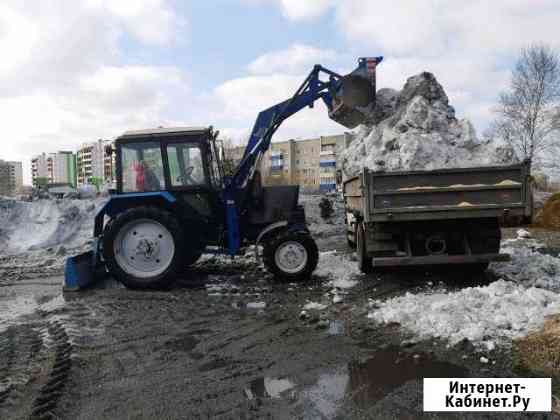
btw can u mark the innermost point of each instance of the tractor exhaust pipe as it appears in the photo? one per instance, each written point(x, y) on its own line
point(354, 97)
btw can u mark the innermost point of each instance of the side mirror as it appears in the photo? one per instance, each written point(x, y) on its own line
point(109, 150)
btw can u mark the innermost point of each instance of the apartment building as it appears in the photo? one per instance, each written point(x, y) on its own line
point(56, 168)
point(11, 177)
point(63, 168)
point(310, 163)
point(93, 165)
point(40, 168)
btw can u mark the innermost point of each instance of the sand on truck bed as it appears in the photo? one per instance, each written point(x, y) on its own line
point(416, 129)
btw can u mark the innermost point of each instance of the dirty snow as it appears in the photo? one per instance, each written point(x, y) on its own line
point(502, 310)
point(342, 271)
point(318, 226)
point(507, 309)
point(27, 226)
point(314, 306)
point(256, 305)
point(528, 266)
point(416, 129)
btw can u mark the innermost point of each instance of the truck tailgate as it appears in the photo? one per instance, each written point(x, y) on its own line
point(437, 194)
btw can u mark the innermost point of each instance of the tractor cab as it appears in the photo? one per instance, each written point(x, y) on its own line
point(167, 159)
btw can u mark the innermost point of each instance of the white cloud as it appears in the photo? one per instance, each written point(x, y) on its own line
point(437, 27)
point(299, 9)
point(296, 59)
point(305, 9)
point(242, 99)
point(151, 21)
point(65, 80)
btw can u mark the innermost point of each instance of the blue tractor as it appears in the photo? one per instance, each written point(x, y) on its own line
point(173, 201)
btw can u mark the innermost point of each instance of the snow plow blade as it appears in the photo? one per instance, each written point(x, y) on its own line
point(355, 96)
point(80, 271)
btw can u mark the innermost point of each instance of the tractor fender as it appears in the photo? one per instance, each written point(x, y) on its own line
point(121, 202)
point(270, 228)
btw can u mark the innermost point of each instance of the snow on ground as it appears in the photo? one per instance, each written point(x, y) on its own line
point(40, 224)
point(342, 271)
point(506, 309)
point(317, 225)
point(314, 306)
point(502, 310)
point(529, 267)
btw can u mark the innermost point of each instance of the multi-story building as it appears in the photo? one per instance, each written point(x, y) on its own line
point(62, 168)
point(40, 168)
point(310, 163)
point(56, 168)
point(11, 177)
point(94, 165)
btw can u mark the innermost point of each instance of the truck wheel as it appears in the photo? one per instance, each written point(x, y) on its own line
point(351, 242)
point(291, 256)
point(364, 262)
point(143, 247)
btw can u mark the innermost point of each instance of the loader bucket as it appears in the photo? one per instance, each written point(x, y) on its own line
point(79, 271)
point(354, 97)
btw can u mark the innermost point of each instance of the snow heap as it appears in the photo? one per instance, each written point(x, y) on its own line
point(486, 315)
point(27, 226)
point(478, 314)
point(343, 272)
point(416, 129)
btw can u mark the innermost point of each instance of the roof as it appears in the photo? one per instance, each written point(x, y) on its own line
point(164, 131)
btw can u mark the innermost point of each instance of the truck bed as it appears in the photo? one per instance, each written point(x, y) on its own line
point(480, 192)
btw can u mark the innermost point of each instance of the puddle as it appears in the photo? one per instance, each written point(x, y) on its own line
point(268, 388)
point(364, 383)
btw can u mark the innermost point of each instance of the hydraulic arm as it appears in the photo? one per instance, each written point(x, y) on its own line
point(348, 100)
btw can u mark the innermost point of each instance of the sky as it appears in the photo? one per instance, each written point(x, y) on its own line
point(77, 70)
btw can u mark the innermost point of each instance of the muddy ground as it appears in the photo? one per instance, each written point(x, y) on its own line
point(209, 348)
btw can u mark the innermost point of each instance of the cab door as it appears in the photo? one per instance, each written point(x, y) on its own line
point(189, 179)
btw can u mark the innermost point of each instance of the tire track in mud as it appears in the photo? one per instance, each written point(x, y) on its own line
point(20, 347)
point(44, 405)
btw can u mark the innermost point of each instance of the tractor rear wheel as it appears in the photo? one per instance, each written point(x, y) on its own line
point(143, 247)
point(291, 256)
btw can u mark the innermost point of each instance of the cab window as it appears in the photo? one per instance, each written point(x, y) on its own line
point(185, 165)
point(142, 167)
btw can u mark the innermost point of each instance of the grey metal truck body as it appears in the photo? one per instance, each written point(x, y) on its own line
point(447, 216)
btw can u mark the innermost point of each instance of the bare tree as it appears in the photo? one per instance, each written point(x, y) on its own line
point(529, 111)
point(229, 160)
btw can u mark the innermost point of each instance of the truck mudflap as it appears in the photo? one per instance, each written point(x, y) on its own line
point(439, 259)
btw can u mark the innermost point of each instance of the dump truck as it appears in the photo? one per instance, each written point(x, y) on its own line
point(434, 217)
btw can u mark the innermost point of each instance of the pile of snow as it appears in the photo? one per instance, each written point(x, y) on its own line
point(416, 129)
point(315, 306)
point(499, 312)
point(40, 224)
point(502, 310)
point(318, 226)
point(529, 267)
point(343, 272)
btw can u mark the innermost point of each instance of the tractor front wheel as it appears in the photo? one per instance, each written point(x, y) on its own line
point(143, 247)
point(291, 256)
